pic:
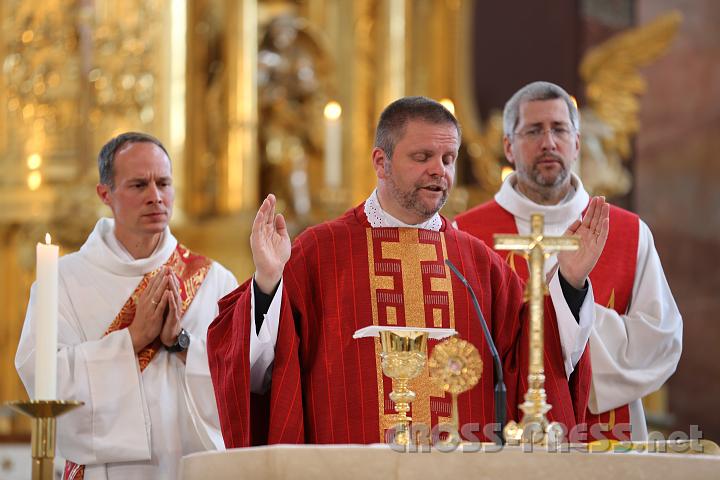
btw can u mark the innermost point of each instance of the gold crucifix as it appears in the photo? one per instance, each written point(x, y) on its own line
point(534, 427)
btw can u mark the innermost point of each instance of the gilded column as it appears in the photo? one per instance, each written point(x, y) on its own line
point(396, 50)
point(241, 182)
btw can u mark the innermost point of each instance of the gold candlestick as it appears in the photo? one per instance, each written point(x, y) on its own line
point(534, 427)
point(404, 354)
point(44, 424)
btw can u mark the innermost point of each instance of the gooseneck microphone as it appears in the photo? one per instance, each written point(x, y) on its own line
point(500, 391)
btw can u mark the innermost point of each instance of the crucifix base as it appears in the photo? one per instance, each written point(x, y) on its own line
point(534, 428)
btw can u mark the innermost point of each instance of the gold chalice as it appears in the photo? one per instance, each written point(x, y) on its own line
point(404, 353)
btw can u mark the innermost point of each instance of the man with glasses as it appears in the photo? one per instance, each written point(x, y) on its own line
point(636, 338)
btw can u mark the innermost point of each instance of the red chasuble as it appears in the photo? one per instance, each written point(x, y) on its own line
point(612, 281)
point(344, 275)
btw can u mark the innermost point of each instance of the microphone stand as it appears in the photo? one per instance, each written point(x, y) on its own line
point(500, 391)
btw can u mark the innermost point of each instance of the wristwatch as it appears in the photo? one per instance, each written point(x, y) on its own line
point(181, 344)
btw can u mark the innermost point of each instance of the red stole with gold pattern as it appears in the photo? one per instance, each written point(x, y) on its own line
point(612, 280)
point(191, 270)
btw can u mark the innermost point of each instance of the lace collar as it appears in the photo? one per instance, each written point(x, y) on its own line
point(377, 217)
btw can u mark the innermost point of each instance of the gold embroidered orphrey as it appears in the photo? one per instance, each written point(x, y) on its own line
point(399, 259)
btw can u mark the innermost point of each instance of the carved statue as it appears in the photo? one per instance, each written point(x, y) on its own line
point(292, 91)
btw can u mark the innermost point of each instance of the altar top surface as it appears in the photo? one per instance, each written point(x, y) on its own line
point(351, 462)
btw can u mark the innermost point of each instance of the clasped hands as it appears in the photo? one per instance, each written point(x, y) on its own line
point(157, 311)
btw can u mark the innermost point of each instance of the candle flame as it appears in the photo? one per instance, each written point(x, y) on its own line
point(449, 104)
point(34, 161)
point(47, 239)
point(332, 111)
point(34, 180)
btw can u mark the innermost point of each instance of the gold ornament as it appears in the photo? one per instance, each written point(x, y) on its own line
point(404, 354)
point(534, 427)
point(456, 367)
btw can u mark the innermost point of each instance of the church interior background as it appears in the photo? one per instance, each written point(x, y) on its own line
point(241, 92)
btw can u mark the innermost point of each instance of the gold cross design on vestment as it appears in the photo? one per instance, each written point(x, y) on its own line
point(411, 253)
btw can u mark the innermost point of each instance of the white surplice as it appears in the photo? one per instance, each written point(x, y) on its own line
point(133, 424)
point(632, 354)
point(573, 334)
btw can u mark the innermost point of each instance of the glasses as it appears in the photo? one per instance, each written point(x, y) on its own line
point(535, 134)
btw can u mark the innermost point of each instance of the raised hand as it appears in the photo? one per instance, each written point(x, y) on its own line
point(149, 311)
point(593, 229)
point(270, 244)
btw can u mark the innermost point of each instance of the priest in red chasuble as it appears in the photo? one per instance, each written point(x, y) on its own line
point(284, 363)
point(636, 339)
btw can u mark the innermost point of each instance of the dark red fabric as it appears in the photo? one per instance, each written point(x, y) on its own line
point(325, 383)
point(612, 280)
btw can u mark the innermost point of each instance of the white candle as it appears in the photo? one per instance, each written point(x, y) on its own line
point(46, 324)
point(333, 145)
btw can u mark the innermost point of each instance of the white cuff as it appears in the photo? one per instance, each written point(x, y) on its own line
point(262, 344)
point(573, 334)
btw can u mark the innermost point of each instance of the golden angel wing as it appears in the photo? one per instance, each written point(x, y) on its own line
point(486, 152)
point(612, 78)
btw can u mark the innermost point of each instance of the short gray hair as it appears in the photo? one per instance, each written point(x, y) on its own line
point(106, 157)
point(395, 117)
point(534, 92)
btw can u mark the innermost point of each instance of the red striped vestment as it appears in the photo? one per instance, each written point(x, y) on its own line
point(344, 275)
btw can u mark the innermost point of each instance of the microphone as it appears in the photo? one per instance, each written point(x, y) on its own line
point(500, 391)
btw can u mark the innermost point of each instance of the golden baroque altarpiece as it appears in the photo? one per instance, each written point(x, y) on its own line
point(234, 88)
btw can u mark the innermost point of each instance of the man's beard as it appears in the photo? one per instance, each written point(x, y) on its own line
point(537, 177)
point(410, 200)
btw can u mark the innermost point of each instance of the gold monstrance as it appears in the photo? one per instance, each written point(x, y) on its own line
point(456, 367)
point(534, 427)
